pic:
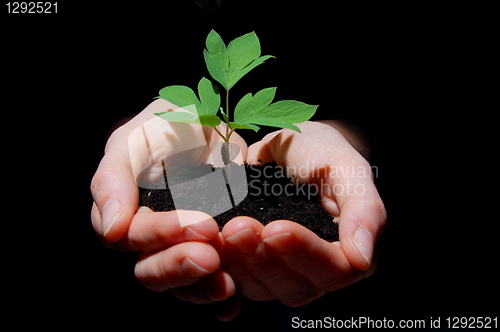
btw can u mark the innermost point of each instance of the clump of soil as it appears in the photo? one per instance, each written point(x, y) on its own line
point(270, 196)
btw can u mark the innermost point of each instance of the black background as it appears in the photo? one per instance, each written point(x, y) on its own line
point(400, 73)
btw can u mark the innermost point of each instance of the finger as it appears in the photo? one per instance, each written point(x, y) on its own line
point(324, 264)
point(215, 287)
point(260, 152)
point(362, 212)
point(288, 286)
point(246, 283)
point(228, 309)
point(116, 196)
point(152, 231)
point(114, 187)
point(181, 265)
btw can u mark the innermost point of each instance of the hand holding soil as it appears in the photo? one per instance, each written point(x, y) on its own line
point(281, 260)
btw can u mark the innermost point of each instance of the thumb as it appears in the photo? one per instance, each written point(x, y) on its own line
point(260, 152)
point(132, 157)
point(362, 212)
point(115, 193)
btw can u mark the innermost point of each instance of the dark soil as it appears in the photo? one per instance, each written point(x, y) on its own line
point(271, 196)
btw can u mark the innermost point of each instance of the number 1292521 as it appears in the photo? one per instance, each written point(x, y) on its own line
point(32, 7)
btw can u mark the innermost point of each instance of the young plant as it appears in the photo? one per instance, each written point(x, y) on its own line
point(227, 65)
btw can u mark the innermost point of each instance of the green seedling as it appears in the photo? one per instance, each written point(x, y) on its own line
point(227, 65)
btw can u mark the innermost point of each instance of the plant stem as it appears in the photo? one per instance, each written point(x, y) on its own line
point(228, 115)
point(230, 133)
point(220, 134)
point(226, 157)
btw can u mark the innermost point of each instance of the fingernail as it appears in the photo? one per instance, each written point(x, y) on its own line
point(363, 239)
point(191, 235)
point(282, 243)
point(192, 270)
point(111, 211)
point(246, 241)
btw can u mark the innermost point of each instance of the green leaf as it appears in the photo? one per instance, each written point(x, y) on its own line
point(249, 105)
point(178, 117)
point(209, 120)
point(235, 125)
point(228, 65)
point(243, 50)
point(248, 68)
point(216, 58)
point(179, 95)
point(290, 111)
point(283, 114)
point(185, 117)
point(243, 106)
point(184, 97)
point(272, 122)
point(209, 97)
point(258, 110)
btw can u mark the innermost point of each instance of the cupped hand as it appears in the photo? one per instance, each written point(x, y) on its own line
point(133, 157)
point(284, 260)
point(173, 247)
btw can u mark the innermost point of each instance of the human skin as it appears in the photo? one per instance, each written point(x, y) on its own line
point(282, 260)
